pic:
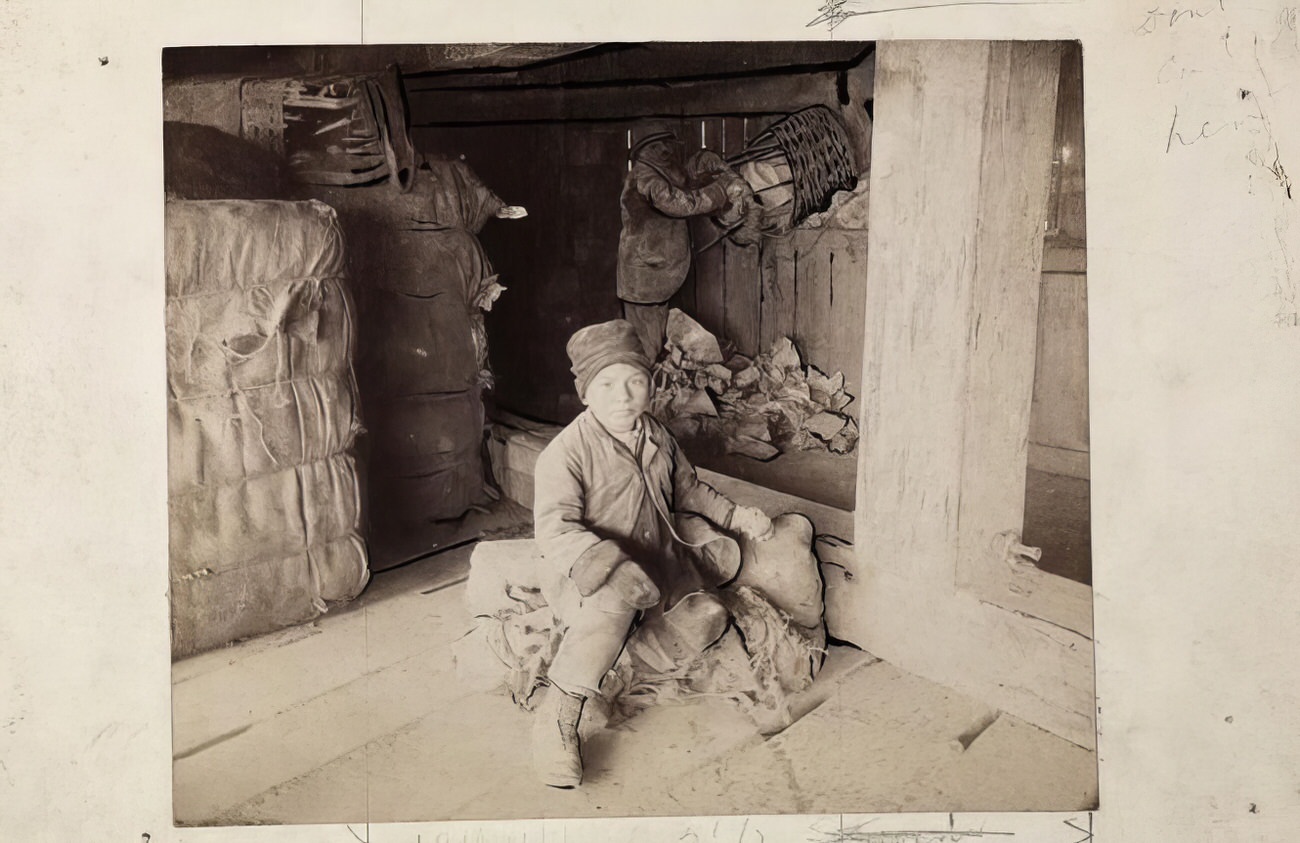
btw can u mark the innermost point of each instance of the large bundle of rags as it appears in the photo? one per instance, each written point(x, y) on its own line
point(424, 283)
point(758, 407)
point(263, 497)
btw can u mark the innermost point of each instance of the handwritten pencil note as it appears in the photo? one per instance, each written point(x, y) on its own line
point(1224, 75)
point(832, 13)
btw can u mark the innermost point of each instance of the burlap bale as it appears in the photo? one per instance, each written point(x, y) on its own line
point(784, 569)
point(445, 493)
point(226, 525)
point(449, 193)
point(211, 610)
point(430, 262)
point(220, 246)
point(226, 438)
point(422, 242)
point(414, 345)
point(420, 434)
point(340, 567)
point(513, 454)
point(426, 458)
point(248, 338)
point(264, 499)
point(424, 278)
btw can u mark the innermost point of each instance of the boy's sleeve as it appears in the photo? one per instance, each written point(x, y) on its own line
point(676, 202)
point(691, 494)
point(562, 533)
point(706, 162)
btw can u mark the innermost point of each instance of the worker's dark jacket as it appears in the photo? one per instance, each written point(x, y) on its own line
point(596, 506)
point(654, 249)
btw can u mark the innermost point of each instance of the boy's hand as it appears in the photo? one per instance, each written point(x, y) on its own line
point(752, 523)
point(633, 585)
point(739, 193)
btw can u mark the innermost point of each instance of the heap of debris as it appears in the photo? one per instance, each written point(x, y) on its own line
point(758, 407)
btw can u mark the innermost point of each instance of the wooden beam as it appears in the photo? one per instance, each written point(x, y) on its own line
point(1015, 171)
point(925, 200)
point(638, 62)
point(758, 96)
point(827, 520)
point(1000, 328)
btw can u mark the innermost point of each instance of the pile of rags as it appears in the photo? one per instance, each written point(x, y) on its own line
point(772, 647)
point(758, 407)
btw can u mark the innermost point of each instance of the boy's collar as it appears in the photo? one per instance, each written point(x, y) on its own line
point(642, 428)
point(637, 427)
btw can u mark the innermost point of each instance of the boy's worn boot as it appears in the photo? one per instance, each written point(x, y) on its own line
point(557, 753)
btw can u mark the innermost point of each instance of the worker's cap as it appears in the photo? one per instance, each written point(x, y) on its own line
point(649, 139)
point(597, 346)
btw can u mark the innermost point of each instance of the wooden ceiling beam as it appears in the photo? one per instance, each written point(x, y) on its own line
point(761, 95)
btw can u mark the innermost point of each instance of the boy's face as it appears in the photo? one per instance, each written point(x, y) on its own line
point(618, 395)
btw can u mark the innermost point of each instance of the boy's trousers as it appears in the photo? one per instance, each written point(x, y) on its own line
point(598, 628)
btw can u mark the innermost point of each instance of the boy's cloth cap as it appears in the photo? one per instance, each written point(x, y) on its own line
point(596, 346)
point(649, 139)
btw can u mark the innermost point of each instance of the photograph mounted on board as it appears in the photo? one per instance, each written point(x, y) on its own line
point(627, 429)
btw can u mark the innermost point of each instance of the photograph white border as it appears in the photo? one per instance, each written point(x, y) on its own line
point(1192, 253)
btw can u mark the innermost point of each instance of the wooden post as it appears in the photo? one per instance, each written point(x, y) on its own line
point(1001, 330)
point(962, 152)
point(921, 265)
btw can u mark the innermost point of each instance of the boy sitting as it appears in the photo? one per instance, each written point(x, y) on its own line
point(607, 488)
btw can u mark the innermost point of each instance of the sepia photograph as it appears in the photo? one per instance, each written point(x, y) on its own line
point(627, 430)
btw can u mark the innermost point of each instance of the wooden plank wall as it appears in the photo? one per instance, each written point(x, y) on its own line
point(1058, 423)
point(560, 260)
point(739, 282)
point(724, 291)
point(559, 263)
point(814, 286)
point(809, 285)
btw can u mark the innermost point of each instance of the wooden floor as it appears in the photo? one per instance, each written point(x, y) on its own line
point(360, 716)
